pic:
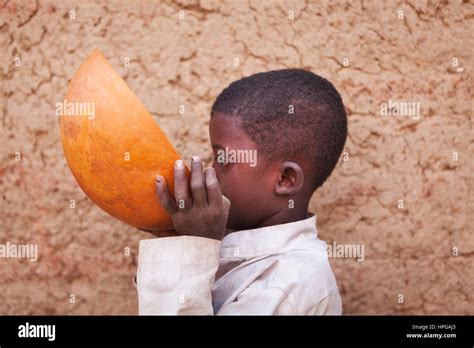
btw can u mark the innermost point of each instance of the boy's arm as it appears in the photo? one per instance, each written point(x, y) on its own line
point(176, 274)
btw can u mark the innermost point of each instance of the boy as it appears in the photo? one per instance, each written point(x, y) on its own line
point(261, 256)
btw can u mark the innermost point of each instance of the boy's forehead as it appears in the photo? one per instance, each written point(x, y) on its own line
point(222, 128)
point(225, 132)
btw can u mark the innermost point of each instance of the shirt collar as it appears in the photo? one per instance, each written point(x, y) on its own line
point(268, 240)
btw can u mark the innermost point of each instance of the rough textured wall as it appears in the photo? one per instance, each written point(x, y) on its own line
point(402, 189)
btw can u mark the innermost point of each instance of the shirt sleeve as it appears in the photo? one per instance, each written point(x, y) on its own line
point(175, 275)
point(275, 301)
point(330, 305)
point(258, 301)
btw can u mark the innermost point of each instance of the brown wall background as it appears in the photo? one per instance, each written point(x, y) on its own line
point(188, 62)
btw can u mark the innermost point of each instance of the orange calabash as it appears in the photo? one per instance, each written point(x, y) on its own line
point(114, 147)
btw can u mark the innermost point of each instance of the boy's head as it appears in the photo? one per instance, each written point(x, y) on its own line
point(296, 122)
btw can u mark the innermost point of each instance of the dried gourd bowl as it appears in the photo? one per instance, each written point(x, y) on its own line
point(114, 147)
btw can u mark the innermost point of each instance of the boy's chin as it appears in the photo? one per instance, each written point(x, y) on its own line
point(237, 224)
point(232, 225)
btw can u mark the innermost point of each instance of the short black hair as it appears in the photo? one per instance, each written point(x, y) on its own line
point(316, 131)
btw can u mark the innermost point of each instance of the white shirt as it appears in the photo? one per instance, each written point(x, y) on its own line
point(280, 269)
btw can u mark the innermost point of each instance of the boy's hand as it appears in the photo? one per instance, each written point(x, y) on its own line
point(202, 212)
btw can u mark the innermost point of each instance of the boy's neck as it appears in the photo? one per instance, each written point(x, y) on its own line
point(285, 216)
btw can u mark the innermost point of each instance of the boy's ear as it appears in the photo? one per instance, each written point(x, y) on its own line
point(291, 179)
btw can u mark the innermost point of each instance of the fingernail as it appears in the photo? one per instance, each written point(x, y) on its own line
point(195, 158)
point(179, 164)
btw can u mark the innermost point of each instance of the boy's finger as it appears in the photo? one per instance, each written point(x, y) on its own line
point(214, 195)
point(164, 195)
point(197, 183)
point(226, 203)
point(181, 192)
